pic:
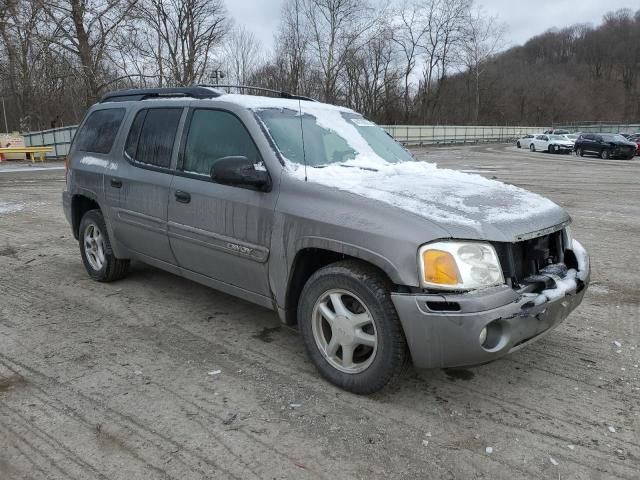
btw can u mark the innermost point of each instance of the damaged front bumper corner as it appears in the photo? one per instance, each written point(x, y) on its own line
point(447, 330)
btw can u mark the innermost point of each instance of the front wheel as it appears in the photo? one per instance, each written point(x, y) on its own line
point(518, 144)
point(604, 154)
point(552, 149)
point(95, 248)
point(532, 147)
point(350, 327)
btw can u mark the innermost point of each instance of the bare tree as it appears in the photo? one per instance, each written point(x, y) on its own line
point(336, 28)
point(187, 33)
point(482, 37)
point(87, 29)
point(242, 55)
point(407, 35)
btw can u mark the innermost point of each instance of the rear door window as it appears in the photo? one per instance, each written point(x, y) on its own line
point(99, 131)
point(152, 135)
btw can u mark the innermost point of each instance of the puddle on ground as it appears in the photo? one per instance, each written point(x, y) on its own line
point(265, 334)
point(459, 374)
point(9, 383)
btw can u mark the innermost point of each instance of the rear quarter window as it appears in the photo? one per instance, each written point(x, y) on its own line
point(99, 131)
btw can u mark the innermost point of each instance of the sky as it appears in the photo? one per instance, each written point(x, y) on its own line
point(524, 19)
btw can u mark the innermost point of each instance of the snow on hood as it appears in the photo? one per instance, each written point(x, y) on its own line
point(438, 194)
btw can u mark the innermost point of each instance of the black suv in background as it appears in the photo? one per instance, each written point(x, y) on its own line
point(605, 145)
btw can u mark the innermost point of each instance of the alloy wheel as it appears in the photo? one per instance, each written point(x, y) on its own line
point(94, 247)
point(344, 331)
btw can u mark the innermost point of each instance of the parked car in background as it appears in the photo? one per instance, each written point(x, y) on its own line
point(605, 145)
point(556, 131)
point(377, 257)
point(635, 138)
point(525, 140)
point(551, 144)
point(572, 137)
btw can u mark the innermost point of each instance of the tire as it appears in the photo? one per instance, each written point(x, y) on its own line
point(532, 147)
point(604, 154)
point(364, 292)
point(579, 152)
point(518, 144)
point(552, 149)
point(95, 248)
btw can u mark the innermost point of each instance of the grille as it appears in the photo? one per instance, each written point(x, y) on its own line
point(520, 260)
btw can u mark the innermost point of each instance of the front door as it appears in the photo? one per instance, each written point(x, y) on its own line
point(221, 232)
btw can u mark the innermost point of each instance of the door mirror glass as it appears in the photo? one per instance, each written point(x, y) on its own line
point(239, 171)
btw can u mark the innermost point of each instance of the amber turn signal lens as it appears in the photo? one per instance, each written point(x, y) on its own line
point(440, 268)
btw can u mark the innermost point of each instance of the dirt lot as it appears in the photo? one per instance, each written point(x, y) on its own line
point(113, 381)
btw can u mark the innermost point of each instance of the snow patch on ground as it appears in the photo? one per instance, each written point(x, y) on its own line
point(10, 207)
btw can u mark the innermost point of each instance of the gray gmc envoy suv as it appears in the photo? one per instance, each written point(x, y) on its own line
point(317, 213)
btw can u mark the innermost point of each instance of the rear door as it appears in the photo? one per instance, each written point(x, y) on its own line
point(142, 183)
point(219, 231)
point(588, 143)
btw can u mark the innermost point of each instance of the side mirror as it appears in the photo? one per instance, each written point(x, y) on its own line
point(241, 172)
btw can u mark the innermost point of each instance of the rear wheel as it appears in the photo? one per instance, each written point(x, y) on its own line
point(518, 144)
point(350, 327)
point(604, 154)
point(95, 248)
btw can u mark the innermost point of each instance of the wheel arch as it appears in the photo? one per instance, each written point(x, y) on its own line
point(311, 257)
point(81, 203)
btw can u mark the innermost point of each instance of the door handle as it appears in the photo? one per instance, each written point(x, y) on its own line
point(182, 197)
point(116, 183)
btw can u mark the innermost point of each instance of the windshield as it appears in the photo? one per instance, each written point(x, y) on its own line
point(343, 137)
point(613, 138)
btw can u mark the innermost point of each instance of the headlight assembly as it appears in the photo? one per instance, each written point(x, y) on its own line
point(452, 265)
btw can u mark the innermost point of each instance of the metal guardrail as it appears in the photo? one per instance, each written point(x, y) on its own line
point(602, 127)
point(60, 138)
point(455, 134)
point(57, 138)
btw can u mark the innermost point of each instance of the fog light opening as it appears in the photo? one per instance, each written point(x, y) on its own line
point(483, 336)
point(491, 335)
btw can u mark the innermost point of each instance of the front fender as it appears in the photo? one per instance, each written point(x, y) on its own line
point(356, 251)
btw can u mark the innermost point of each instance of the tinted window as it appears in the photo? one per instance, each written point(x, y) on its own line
point(100, 130)
point(214, 134)
point(152, 135)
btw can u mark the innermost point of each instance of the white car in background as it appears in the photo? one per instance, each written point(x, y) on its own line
point(551, 144)
point(572, 137)
point(525, 140)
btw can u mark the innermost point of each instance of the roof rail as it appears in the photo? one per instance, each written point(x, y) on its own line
point(279, 93)
point(198, 91)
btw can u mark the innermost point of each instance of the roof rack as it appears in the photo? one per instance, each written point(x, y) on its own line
point(133, 94)
point(279, 93)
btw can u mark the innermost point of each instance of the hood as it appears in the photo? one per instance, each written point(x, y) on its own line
point(467, 206)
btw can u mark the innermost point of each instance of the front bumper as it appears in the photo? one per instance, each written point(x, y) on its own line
point(442, 339)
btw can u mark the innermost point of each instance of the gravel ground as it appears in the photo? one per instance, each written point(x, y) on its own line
point(121, 381)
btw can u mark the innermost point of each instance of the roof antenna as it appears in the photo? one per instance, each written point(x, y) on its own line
point(304, 153)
